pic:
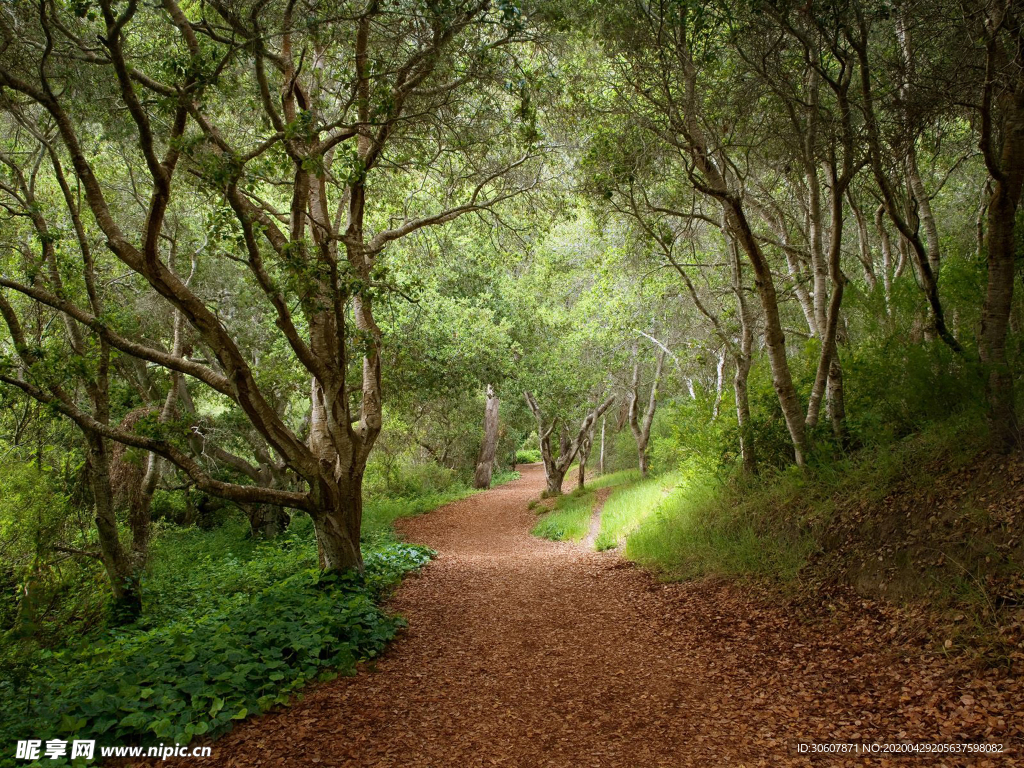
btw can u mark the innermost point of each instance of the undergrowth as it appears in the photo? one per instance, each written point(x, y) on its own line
point(767, 527)
point(569, 517)
point(231, 627)
point(568, 520)
point(627, 508)
point(195, 675)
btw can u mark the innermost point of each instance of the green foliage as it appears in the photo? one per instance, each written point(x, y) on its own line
point(686, 437)
point(197, 674)
point(766, 527)
point(897, 388)
point(528, 456)
point(394, 477)
point(705, 529)
point(609, 480)
point(231, 627)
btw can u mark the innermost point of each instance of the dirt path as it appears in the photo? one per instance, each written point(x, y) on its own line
point(522, 652)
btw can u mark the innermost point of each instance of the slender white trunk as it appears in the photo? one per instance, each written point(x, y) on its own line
point(719, 382)
point(489, 445)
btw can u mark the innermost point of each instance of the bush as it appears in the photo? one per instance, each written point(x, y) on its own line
point(391, 478)
point(528, 456)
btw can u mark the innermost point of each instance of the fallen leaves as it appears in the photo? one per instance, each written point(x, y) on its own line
point(522, 652)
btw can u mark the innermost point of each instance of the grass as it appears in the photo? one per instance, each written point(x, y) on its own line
point(621, 477)
point(767, 527)
point(699, 531)
point(629, 506)
point(568, 520)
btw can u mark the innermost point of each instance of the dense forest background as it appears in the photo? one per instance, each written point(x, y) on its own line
point(274, 274)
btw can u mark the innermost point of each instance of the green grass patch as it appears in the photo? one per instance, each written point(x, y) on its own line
point(613, 479)
point(768, 526)
point(627, 508)
point(699, 530)
point(568, 520)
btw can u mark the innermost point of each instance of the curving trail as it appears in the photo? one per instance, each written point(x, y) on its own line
point(522, 652)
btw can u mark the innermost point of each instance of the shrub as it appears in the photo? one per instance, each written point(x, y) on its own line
point(528, 456)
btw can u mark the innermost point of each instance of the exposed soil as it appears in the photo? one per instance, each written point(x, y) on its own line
point(521, 652)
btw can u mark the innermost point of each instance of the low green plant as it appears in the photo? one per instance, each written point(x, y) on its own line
point(700, 529)
point(622, 477)
point(196, 675)
point(231, 626)
point(528, 456)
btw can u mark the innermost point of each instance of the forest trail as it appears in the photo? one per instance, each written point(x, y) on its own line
point(522, 652)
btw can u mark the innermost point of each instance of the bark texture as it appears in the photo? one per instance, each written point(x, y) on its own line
point(1005, 165)
point(489, 445)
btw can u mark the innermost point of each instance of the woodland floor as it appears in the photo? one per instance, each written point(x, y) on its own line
point(525, 652)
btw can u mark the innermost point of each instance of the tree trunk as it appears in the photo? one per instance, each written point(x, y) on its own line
point(920, 195)
point(554, 478)
point(1001, 246)
point(600, 459)
point(338, 489)
point(1006, 170)
point(910, 238)
point(485, 459)
point(742, 358)
point(121, 572)
point(828, 378)
point(556, 467)
point(747, 453)
point(584, 456)
point(774, 337)
point(719, 384)
point(642, 432)
point(863, 243)
point(836, 399)
point(336, 524)
point(266, 521)
point(887, 266)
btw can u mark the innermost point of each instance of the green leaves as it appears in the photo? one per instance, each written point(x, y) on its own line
point(197, 674)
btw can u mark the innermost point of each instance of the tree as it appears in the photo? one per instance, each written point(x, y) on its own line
point(556, 465)
point(664, 64)
point(345, 95)
point(489, 445)
point(642, 431)
point(1002, 146)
